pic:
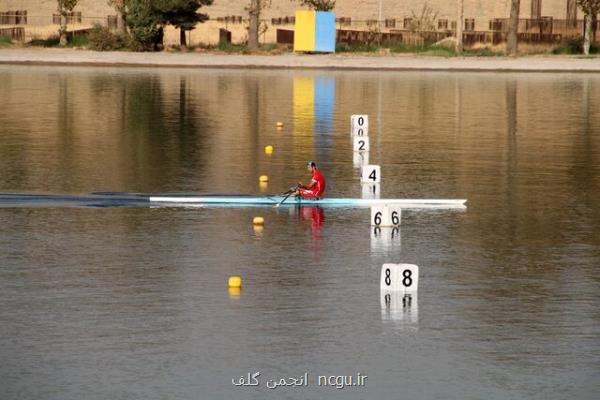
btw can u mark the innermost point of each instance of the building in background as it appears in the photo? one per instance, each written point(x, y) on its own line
point(549, 19)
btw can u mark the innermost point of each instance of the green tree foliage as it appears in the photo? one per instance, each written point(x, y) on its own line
point(183, 14)
point(64, 7)
point(319, 5)
point(145, 24)
point(147, 18)
point(589, 6)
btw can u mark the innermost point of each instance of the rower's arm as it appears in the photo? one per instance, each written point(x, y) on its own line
point(310, 185)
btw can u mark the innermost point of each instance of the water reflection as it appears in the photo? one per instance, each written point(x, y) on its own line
point(400, 309)
point(314, 107)
point(510, 287)
point(315, 217)
point(385, 239)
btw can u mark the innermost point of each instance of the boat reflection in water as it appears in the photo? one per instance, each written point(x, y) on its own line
point(315, 216)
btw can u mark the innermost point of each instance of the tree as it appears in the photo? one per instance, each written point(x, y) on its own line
point(254, 11)
point(319, 5)
point(64, 7)
point(460, 20)
point(145, 24)
point(121, 7)
point(182, 14)
point(590, 8)
point(513, 27)
point(423, 21)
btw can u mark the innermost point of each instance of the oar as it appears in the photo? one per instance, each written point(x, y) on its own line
point(289, 193)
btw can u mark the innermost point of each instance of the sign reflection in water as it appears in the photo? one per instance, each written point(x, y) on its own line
point(314, 108)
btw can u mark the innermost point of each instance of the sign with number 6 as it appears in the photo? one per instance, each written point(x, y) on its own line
point(400, 277)
point(371, 174)
point(386, 215)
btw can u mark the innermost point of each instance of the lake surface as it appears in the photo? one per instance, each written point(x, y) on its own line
point(132, 302)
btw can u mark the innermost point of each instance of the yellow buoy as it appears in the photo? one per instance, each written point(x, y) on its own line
point(263, 186)
point(258, 229)
point(235, 282)
point(280, 124)
point(263, 178)
point(258, 221)
point(269, 149)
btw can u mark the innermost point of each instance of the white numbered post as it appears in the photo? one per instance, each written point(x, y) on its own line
point(378, 215)
point(400, 278)
point(370, 190)
point(394, 215)
point(359, 125)
point(371, 174)
point(361, 143)
point(385, 215)
point(360, 159)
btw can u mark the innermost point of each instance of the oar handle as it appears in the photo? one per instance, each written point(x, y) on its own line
point(288, 194)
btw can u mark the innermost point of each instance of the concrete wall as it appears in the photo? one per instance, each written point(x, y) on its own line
point(95, 11)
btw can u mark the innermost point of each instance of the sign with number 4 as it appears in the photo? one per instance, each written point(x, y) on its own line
point(371, 174)
point(400, 277)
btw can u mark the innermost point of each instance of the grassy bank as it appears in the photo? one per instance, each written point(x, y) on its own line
point(572, 47)
point(5, 41)
point(102, 39)
point(428, 50)
point(54, 41)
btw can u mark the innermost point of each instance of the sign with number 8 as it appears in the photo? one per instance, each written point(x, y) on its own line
point(400, 278)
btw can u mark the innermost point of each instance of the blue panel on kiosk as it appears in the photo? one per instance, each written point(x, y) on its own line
point(325, 32)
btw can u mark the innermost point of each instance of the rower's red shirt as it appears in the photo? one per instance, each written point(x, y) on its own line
point(319, 188)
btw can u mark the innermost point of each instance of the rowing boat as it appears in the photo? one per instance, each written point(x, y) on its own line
point(237, 200)
point(118, 199)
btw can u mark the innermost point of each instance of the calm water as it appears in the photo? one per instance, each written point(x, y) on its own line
point(132, 303)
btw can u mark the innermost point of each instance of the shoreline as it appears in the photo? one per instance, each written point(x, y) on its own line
point(343, 61)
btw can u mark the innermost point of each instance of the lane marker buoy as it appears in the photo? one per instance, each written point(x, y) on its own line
point(235, 282)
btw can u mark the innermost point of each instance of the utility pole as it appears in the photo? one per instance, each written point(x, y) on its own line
point(460, 21)
point(513, 28)
point(380, 13)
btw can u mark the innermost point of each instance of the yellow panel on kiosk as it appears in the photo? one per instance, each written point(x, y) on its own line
point(304, 31)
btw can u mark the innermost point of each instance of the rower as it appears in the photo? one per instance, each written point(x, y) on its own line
point(316, 187)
